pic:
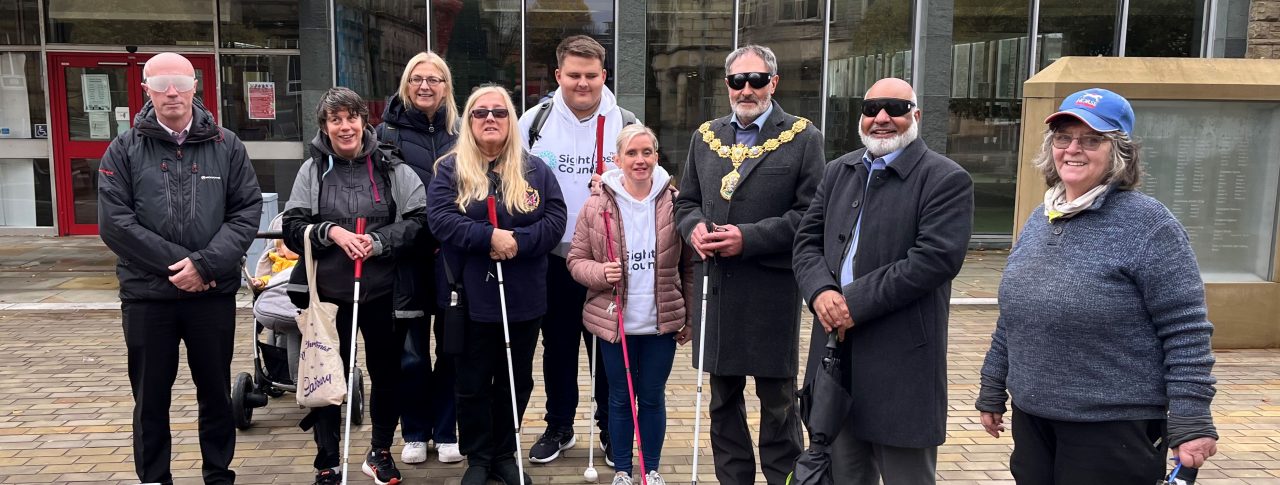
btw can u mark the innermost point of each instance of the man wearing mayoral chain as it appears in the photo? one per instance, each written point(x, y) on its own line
point(749, 178)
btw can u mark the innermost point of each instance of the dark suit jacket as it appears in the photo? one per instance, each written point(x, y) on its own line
point(753, 319)
point(917, 217)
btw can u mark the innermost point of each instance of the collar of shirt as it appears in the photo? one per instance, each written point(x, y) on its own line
point(180, 135)
point(882, 162)
point(759, 121)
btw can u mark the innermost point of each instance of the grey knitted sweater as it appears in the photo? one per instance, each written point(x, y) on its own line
point(1102, 317)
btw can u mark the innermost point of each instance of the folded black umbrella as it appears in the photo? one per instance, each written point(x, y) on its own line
point(824, 405)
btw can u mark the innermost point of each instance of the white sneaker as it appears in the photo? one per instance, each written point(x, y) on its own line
point(622, 479)
point(448, 453)
point(653, 478)
point(414, 452)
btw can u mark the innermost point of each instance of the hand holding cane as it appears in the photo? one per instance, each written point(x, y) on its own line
point(626, 359)
point(506, 340)
point(351, 362)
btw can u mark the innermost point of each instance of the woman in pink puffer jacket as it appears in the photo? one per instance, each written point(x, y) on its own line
point(650, 276)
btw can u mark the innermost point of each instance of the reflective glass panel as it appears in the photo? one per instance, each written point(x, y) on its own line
point(687, 44)
point(262, 96)
point(25, 193)
point(870, 40)
point(266, 24)
point(1232, 29)
point(989, 63)
point(547, 22)
point(1076, 28)
point(21, 94)
point(84, 190)
point(19, 22)
point(1164, 28)
point(93, 93)
point(277, 176)
point(480, 40)
point(1214, 164)
point(793, 30)
point(142, 22)
point(374, 40)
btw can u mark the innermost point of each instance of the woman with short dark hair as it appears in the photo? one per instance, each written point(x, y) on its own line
point(348, 177)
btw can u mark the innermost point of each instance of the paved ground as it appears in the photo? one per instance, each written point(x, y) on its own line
point(65, 406)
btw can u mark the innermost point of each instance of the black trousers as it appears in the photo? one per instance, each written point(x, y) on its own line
point(152, 330)
point(383, 343)
point(485, 429)
point(1047, 451)
point(780, 437)
point(562, 329)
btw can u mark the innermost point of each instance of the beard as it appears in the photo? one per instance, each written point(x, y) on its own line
point(762, 105)
point(880, 147)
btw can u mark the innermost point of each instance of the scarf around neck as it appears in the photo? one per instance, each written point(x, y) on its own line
point(1057, 207)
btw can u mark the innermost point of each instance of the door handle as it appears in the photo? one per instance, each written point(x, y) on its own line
point(105, 63)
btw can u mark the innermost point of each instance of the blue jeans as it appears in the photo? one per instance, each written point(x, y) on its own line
point(430, 408)
point(651, 358)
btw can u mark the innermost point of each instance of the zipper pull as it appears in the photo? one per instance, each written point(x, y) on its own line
point(195, 168)
point(179, 152)
point(164, 166)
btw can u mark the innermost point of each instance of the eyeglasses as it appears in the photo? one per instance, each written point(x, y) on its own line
point(1087, 142)
point(179, 82)
point(482, 113)
point(755, 79)
point(431, 81)
point(894, 106)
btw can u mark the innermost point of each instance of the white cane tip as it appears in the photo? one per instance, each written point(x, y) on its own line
point(590, 475)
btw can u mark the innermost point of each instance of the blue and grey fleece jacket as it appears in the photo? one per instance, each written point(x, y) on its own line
point(1102, 318)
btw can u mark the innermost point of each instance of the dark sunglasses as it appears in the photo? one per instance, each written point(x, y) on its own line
point(481, 113)
point(755, 79)
point(894, 106)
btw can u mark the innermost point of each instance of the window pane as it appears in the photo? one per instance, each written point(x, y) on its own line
point(142, 22)
point(375, 38)
point(1164, 28)
point(986, 104)
point(798, 46)
point(870, 40)
point(19, 22)
point(25, 194)
point(480, 41)
point(547, 23)
point(687, 45)
point(1214, 164)
point(1076, 28)
point(277, 176)
point(248, 115)
point(21, 94)
point(249, 24)
point(1232, 29)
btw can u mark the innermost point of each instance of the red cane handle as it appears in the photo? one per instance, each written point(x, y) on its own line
point(600, 145)
point(493, 211)
point(359, 231)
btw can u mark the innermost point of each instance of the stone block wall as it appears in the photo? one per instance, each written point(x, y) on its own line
point(1264, 30)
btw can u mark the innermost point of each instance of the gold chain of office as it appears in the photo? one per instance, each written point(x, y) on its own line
point(738, 153)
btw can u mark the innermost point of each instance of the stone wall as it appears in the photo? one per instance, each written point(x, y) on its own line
point(1264, 30)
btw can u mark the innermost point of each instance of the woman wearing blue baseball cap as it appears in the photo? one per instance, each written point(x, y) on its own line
point(1103, 336)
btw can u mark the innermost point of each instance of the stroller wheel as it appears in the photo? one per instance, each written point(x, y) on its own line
point(357, 415)
point(241, 410)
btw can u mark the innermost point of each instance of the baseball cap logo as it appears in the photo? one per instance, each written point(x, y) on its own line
point(1089, 100)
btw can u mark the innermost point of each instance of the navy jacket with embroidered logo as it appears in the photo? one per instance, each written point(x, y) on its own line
point(465, 243)
point(160, 202)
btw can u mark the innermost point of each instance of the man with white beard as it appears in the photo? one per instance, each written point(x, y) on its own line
point(874, 256)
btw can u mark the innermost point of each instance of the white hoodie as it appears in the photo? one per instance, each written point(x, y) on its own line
point(568, 146)
point(639, 231)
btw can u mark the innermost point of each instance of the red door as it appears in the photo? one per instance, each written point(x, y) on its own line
point(93, 98)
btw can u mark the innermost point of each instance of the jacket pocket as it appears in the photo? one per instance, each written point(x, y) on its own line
point(918, 335)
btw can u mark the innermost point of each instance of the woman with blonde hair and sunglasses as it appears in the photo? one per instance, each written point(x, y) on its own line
point(421, 119)
point(489, 160)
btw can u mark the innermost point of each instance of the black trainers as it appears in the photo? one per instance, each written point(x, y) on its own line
point(606, 448)
point(328, 476)
point(507, 472)
point(550, 444)
point(380, 467)
point(476, 475)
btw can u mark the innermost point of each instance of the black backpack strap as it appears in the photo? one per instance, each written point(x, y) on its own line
point(539, 119)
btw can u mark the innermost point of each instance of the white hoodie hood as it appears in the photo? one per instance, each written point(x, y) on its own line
point(568, 146)
point(639, 226)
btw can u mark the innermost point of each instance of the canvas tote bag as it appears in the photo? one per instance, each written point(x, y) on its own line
point(321, 379)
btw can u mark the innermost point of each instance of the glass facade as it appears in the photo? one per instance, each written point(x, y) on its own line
point(830, 52)
point(26, 198)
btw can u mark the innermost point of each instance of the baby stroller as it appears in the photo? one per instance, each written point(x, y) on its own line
point(276, 342)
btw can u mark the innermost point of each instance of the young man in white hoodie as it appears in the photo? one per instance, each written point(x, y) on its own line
point(576, 135)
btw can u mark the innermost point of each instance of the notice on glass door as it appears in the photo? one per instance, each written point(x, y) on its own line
point(262, 100)
point(99, 125)
point(96, 89)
